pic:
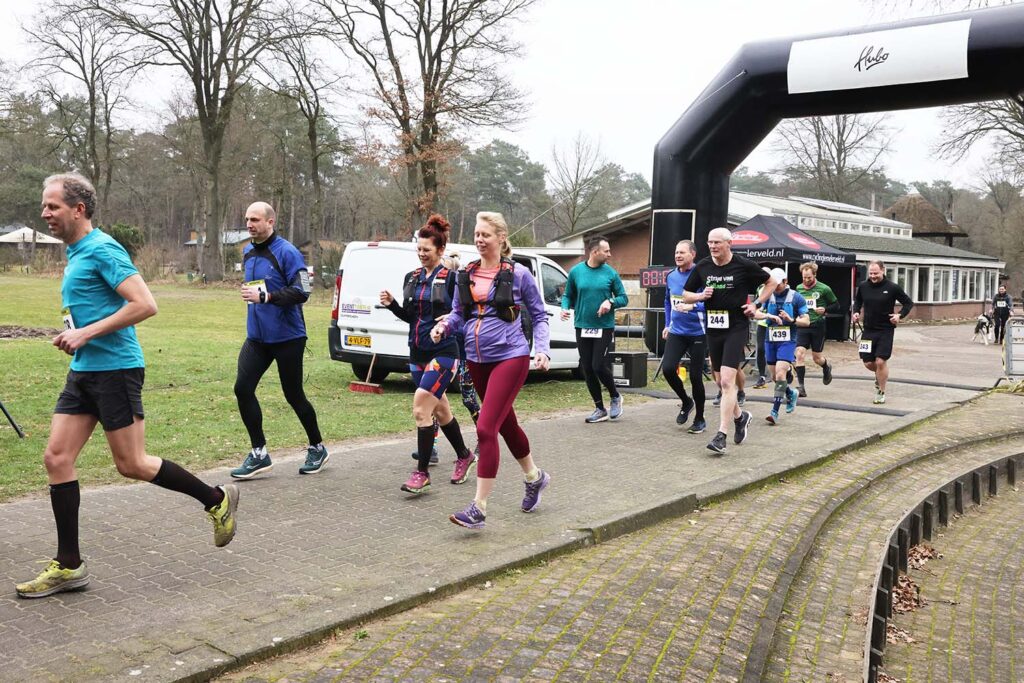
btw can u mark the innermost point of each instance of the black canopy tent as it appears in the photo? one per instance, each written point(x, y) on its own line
point(774, 240)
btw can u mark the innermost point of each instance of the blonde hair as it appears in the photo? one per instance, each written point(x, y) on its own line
point(497, 221)
point(810, 265)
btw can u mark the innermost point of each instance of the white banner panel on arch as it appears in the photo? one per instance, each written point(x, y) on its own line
point(919, 54)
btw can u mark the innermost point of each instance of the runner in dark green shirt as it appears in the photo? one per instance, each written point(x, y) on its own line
point(820, 301)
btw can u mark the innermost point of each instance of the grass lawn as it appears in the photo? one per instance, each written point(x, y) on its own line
point(191, 348)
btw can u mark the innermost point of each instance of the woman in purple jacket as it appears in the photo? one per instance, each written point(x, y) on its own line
point(492, 298)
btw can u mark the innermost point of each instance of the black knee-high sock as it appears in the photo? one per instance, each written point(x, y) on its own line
point(454, 436)
point(424, 446)
point(176, 478)
point(801, 372)
point(64, 499)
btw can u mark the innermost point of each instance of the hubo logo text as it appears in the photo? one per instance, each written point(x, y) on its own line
point(870, 57)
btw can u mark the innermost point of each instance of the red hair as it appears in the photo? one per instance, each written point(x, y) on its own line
point(436, 230)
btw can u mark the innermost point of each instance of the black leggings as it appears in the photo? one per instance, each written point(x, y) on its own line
point(594, 359)
point(676, 346)
point(761, 365)
point(254, 360)
point(1000, 328)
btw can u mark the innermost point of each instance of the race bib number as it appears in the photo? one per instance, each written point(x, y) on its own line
point(812, 303)
point(865, 346)
point(260, 285)
point(677, 300)
point(69, 322)
point(304, 283)
point(1000, 304)
point(590, 333)
point(718, 320)
point(778, 334)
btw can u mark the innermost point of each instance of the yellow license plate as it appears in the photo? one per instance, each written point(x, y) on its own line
point(357, 340)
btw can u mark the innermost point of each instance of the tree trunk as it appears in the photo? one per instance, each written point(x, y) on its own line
point(316, 218)
point(212, 264)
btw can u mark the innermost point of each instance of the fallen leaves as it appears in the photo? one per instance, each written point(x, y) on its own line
point(906, 595)
point(894, 634)
point(920, 554)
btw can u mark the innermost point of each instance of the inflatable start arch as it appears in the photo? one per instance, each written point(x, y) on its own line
point(949, 59)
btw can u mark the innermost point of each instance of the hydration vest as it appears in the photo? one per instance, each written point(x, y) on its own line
point(440, 292)
point(788, 301)
point(501, 301)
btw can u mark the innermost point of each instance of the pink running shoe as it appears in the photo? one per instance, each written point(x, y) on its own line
point(417, 483)
point(463, 466)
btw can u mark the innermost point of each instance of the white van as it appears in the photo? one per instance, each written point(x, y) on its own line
point(361, 327)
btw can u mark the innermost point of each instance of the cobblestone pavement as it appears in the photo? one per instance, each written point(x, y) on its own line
point(313, 553)
point(969, 627)
point(689, 599)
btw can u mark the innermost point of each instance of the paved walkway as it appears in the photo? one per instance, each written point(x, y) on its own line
point(313, 553)
point(691, 599)
point(970, 626)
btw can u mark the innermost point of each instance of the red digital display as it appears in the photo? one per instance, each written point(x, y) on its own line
point(654, 277)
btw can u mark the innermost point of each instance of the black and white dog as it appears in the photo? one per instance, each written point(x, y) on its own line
point(982, 327)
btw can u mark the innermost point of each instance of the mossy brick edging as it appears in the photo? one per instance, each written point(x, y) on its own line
point(960, 494)
point(599, 533)
point(760, 650)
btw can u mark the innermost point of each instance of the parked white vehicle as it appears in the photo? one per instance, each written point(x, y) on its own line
point(360, 327)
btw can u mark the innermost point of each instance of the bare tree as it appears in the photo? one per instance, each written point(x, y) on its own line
point(575, 170)
point(83, 48)
point(998, 121)
point(1004, 184)
point(306, 81)
point(215, 43)
point(435, 65)
point(834, 152)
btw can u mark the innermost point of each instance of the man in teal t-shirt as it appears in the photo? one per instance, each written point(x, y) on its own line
point(103, 297)
point(594, 290)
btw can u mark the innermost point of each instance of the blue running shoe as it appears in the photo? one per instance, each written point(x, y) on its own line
point(257, 462)
point(471, 517)
point(433, 457)
point(791, 397)
point(533, 489)
point(316, 458)
point(773, 417)
point(615, 410)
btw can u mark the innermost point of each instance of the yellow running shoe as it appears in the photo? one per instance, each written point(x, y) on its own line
point(54, 579)
point(223, 516)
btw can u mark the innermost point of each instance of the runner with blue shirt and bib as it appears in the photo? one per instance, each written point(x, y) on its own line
point(103, 298)
point(684, 334)
point(785, 310)
point(276, 285)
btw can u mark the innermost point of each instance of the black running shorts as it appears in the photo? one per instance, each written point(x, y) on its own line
point(812, 337)
point(113, 396)
point(727, 348)
point(881, 344)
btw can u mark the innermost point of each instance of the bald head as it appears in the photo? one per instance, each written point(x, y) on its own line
point(720, 234)
point(720, 245)
point(259, 221)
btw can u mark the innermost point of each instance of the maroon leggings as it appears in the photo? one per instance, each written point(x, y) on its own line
point(498, 384)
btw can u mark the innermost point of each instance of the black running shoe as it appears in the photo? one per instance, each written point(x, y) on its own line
point(697, 427)
point(718, 443)
point(801, 391)
point(684, 412)
point(741, 397)
point(826, 373)
point(741, 426)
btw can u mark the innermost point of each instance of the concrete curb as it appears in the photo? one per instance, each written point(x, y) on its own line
point(598, 533)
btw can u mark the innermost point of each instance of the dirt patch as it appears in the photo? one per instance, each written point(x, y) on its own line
point(19, 332)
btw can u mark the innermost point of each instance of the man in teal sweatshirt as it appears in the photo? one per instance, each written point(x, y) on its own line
point(594, 290)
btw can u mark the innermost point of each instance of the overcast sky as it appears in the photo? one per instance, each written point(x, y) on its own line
point(622, 71)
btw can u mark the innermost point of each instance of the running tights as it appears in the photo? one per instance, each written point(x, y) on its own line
point(596, 367)
point(675, 347)
point(253, 361)
point(1000, 327)
point(499, 384)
